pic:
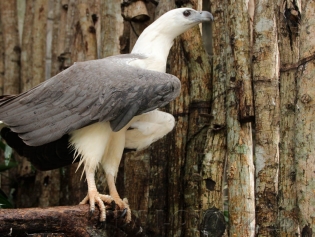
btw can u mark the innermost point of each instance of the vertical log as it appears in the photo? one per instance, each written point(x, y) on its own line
point(88, 30)
point(266, 97)
point(56, 39)
point(69, 18)
point(8, 14)
point(289, 54)
point(49, 37)
point(1, 59)
point(199, 94)
point(10, 60)
point(39, 41)
point(27, 42)
point(111, 27)
point(305, 142)
point(215, 150)
point(175, 155)
point(240, 164)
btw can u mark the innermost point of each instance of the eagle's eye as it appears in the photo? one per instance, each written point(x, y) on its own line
point(186, 13)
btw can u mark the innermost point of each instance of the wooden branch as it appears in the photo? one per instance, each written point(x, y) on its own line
point(73, 221)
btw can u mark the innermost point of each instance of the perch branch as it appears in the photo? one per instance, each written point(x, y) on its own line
point(73, 221)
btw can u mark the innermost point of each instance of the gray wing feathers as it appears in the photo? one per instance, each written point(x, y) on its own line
point(87, 92)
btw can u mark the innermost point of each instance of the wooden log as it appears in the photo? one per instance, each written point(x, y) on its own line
point(73, 221)
point(289, 54)
point(265, 62)
point(304, 152)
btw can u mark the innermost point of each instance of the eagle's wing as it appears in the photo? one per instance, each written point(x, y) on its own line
point(99, 90)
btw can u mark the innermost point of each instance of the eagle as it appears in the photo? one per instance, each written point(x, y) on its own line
point(95, 109)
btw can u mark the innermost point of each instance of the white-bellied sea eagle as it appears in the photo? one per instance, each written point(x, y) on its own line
point(100, 107)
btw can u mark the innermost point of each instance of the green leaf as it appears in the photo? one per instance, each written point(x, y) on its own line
point(7, 154)
point(4, 202)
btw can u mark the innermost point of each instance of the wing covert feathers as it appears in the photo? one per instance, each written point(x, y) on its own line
point(93, 91)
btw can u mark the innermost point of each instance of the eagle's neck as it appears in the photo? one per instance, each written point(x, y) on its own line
point(154, 43)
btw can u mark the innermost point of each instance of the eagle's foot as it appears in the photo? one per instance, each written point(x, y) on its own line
point(93, 197)
point(124, 206)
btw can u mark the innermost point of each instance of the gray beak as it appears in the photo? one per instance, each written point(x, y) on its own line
point(205, 16)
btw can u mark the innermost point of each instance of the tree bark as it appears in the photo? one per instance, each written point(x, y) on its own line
point(289, 53)
point(12, 50)
point(111, 28)
point(10, 61)
point(39, 41)
point(239, 111)
point(199, 104)
point(27, 45)
point(172, 185)
point(71, 221)
point(2, 69)
point(266, 97)
point(304, 145)
point(215, 150)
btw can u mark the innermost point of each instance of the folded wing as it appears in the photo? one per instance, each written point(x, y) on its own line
point(93, 91)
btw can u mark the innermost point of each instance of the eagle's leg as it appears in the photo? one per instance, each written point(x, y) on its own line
point(93, 196)
point(122, 204)
point(110, 163)
point(91, 152)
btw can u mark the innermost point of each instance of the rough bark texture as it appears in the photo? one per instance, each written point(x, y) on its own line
point(289, 53)
point(112, 27)
point(215, 147)
point(240, 164)
point(10, 61)
point(11, 46)
point(266, 97)
point(26, 51)
point(39, 35)
point(174, 185)
point(66, 221)
point(304, 146)
point(1, 60)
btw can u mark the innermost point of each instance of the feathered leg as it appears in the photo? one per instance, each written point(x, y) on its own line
point(92, 151)
point(110, 163)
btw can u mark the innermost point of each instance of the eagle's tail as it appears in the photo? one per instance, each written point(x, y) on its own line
point(49, 156)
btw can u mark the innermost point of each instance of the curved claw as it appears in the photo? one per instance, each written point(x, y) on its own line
point(124, 212)
point(101, 225)
point(94, 197)
point(113, 205)
point(124, 206)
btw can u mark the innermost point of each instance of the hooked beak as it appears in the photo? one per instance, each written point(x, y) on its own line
point(205, 16)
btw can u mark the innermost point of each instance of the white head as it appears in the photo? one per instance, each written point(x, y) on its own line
point(157, 39)
point(177, 21)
